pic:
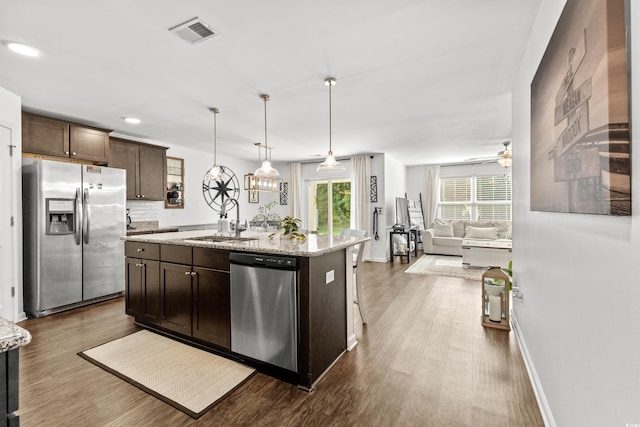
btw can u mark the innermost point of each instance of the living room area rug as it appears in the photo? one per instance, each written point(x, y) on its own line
point(447, 266)
point(187, 378)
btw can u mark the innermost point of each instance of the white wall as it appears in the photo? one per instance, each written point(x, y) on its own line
point(378, 248)
point(579, 319)
point(394, 183)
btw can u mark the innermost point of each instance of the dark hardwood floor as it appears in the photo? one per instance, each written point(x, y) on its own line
point(423, 360)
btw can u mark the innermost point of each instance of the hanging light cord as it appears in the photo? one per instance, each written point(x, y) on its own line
point(330, 84)
point(265, 98)
point(215, 112)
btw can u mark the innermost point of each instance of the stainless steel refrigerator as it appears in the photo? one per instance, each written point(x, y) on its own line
point(73, 218)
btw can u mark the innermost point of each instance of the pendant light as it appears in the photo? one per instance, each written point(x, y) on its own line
point(330, 164)
point(215, 173)
point(265, 178)
point(266, 170)
point(504, 157)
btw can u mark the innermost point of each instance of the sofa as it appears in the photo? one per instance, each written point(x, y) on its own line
point(445, 236)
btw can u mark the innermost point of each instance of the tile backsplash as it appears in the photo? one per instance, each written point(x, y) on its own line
point(144, 210)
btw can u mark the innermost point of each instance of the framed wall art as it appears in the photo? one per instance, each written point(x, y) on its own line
point(373, 189)
point(254, 196)
point(580, 139)
point(284, 193)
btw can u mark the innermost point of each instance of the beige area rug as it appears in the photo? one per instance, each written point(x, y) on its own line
point(185, 377)
point(448, 266)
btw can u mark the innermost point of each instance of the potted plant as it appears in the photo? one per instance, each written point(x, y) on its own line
point(290, 227)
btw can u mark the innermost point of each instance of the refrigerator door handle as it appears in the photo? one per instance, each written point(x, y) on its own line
point(78, 220)
point(86, 217)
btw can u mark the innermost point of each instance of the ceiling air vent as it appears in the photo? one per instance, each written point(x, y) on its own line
point(194, 31)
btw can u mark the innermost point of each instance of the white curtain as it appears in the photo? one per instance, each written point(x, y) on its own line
point(295, 190)
point(360, 201)
point(431, 197)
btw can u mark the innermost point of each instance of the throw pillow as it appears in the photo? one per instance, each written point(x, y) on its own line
point(501, 228)
point(458, 227)
point(479, 224)
point(481, 233)
point(443, 229)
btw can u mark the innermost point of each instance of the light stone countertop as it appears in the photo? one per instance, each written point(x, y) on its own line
point(12, 336)
point(144, 227)
point(258, 242)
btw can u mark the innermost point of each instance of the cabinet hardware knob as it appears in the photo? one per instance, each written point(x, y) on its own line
point(187, 273)
point(66, 152)
point(142, 196)
point(139, 265)
point(140, 250)
point(74, 153)
point(193, 273)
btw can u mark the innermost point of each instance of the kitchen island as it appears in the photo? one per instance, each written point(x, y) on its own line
point(179, 284)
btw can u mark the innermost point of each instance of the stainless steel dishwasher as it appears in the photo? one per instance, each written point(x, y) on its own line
point(264, 320)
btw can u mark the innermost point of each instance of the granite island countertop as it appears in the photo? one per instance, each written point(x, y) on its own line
point(253, 241)
point(148, 227)
point(12, 336)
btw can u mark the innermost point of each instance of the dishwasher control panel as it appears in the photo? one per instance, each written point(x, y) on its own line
point(266, 261)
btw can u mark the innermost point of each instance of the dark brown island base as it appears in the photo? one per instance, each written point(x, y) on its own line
point(180, 284)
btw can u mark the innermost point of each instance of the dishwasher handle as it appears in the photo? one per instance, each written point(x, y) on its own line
point(265, 261)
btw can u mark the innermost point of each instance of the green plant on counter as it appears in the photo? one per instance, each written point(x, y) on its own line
point(290, 227)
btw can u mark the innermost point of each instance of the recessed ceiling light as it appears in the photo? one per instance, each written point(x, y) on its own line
point(132, 120)
point(21, 48)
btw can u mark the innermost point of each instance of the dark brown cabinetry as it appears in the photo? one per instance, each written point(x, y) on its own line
point(195, 290)
point(145, 166)
point(211, 306)
point(177, 297)
point(9, 387)
point(181, 289)
point(50, 137)
point(142, 281)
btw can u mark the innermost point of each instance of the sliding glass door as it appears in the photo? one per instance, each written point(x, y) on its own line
point(329, 206)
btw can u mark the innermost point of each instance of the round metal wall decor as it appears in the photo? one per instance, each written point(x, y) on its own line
point(218, 194)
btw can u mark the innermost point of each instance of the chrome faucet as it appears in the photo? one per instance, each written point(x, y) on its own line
point(237, 223)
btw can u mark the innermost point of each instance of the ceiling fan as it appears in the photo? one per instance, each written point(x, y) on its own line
point(503, 157)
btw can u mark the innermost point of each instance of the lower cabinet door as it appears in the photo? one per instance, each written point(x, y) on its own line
point(152, 291)
point(211, 306)
point(175, 280)
point(134, 291)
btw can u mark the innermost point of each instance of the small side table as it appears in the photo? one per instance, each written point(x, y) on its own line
point(398, 249)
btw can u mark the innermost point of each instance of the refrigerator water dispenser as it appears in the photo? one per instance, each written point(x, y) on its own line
point(60, 216)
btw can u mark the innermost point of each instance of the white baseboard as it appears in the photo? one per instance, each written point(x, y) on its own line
point(545, 410)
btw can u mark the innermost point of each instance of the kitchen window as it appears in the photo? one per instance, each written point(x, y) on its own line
point(481, 198)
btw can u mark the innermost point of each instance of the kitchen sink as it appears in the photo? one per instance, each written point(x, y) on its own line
point(214, 239)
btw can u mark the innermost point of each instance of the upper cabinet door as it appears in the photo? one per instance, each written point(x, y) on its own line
point(124, 155)
point(146, 167)
point(41, 135)
point(152, 169)
point(51, 137)
point(89, 144)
